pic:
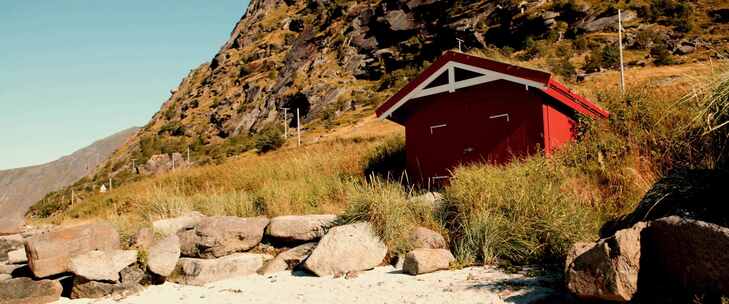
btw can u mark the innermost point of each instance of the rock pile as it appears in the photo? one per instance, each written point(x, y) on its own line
point(196, 250)
point(674, 251)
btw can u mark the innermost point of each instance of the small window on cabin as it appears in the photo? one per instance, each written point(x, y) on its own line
point(442, 79)
point(461, 74)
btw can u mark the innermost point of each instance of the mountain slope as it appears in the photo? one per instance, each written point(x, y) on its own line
point(337, 60)
point(21, 187)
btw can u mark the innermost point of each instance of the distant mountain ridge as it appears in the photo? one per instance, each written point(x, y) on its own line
point(22, 187)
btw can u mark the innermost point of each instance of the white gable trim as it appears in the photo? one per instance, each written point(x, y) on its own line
point(453, 85)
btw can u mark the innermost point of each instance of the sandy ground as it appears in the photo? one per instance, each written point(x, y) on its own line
point(380, 285)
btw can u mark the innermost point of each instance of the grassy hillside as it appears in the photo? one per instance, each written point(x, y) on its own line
point(525, 212)
point(337, 60)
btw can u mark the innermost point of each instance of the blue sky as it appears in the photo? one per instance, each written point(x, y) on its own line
point(74, 71)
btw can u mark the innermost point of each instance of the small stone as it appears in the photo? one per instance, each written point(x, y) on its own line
point(425, 238)
point(423, 260)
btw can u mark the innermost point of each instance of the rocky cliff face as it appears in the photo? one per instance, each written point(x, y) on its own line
point(327, 57)
point(20, 188)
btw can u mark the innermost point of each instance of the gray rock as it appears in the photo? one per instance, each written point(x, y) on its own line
point(28, 291)
point(177, 224)
point(203, 271)
point(128, 285)
point(609, 269)
point(102, 265)
point(163, 256)
point(685, 49)
point(604, 23)
point(50, 253)
point(400, 20)
point(347, 248)
point(425, 238)
point(288, 259)
point(424, 260)
point(300, 227)
point(686, 257)
point(219, 236)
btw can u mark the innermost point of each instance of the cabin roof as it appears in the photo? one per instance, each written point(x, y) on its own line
point(454, 70)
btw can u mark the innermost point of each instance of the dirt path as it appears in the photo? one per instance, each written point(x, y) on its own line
point(381, 285)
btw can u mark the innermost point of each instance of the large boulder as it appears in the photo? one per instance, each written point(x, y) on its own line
point(347, 248)
point(102, 265)
point(288, 259)
point(128, 284)
point(692, 194)
point(203, 271)
point(50, 253)
point(219, 236)
point(28, 291)
point(605, 23)
point(422, 237)
point(162, 257)
point(685, 257)
point(300, 227)
point(177, 224)
point(609, 269)
point(425, 260)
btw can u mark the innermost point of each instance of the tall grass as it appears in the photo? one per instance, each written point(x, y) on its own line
point(529, 211)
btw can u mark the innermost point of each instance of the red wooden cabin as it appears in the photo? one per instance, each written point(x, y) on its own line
point(465, 109)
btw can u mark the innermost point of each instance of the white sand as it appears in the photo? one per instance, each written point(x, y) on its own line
point(380, 285)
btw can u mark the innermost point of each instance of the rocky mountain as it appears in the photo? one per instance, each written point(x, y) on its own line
point(21, 187)
point(334, 59)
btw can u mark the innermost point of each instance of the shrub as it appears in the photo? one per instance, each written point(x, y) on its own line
point(563, 67)
point(269, 139)
point(610, 56)
point(661, 55)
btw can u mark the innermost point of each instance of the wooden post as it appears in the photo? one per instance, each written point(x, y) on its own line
point(620, 45)
point(110, 185)
point(298, 126)
point(286, 125)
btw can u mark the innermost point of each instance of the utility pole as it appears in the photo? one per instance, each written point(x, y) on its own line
point(134, 165)
point(188, 155)
point(110, 185)
point(173, 161)
point(298, 126)
point(460, 41)
point(73, 193)
point(620, 45)
point(286, 125)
